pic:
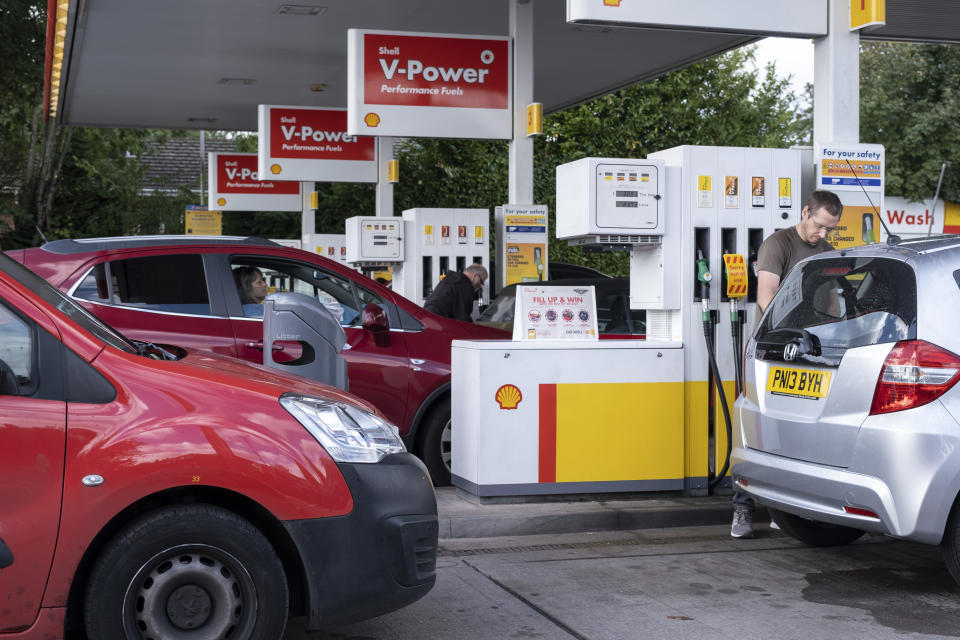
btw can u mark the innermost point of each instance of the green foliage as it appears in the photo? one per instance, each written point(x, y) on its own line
point(910, 103)
point(22, 34)
point(98, 193)
point(61, 181)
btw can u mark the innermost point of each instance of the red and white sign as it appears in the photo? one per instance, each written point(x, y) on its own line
point(428, 85)
point(312, 143)
point(235, 185)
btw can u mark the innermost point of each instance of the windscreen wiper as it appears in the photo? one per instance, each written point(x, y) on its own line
point(151, 350)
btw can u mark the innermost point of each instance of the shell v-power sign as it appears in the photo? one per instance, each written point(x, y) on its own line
point(428, 85)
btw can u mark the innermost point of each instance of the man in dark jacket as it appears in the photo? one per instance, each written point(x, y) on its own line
point(453, 297)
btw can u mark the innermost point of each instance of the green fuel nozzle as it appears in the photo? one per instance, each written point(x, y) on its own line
point(703, 271)
point(704, 277)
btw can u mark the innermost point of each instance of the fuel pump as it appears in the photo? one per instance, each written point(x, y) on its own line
point(704, 277)
point(684, 213)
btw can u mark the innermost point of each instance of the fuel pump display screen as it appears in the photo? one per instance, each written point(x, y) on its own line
point(627, 195)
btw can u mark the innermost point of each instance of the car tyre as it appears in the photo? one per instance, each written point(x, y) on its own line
point(190, 571)
point(813, 533)
point(435, 448)
point(951, 543)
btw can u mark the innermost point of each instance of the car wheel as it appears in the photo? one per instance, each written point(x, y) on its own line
point(816, 534)
point(951, 543)
point(435, 448)
point(191, 571)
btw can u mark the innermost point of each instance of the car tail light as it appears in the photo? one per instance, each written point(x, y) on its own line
point(914, 373)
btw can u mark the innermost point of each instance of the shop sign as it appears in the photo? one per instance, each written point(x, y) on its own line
point(912, 219)
point(312, 144)
point(235, 185)
point(429, 85)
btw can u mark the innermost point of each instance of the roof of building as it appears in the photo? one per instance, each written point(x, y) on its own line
point(178, 163)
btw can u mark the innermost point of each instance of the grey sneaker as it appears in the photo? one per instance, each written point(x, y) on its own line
point(742, 526)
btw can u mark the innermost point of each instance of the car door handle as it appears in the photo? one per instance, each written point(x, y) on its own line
point(254, 345)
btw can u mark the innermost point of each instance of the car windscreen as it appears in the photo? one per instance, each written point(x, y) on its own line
point(65, 305)
point(500, 309)
point(845, 302)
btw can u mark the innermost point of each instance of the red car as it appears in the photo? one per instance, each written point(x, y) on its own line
point(151, 491)
point(180, 290)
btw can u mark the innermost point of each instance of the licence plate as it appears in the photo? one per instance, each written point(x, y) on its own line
point(799, 383)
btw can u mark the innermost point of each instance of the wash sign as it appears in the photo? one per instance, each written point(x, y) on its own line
point(235, 185)
point(312, 144)
point(428, 85)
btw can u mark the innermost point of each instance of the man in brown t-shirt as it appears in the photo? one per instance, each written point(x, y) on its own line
point(787, 247)
point(778, 254)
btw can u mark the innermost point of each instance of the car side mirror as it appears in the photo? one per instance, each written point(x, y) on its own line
point(375, 321)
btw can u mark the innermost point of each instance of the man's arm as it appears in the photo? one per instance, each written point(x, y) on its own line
point(463, 304)
point(767, 285)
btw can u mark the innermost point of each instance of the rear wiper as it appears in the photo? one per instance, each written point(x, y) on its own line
point(807, 343)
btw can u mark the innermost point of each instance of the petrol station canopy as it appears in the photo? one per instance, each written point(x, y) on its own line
point(189, 64)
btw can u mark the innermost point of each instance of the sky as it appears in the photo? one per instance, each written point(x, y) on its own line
point(791, 56)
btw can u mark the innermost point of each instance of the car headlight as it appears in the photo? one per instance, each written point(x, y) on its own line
point(348, 433)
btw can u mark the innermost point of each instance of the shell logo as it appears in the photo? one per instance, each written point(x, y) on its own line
point(371, 119)
point(611, 3)
point(221, 201)
point(508, 396)
point(275, 169)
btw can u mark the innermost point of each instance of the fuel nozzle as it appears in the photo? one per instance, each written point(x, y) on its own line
point(704, 277)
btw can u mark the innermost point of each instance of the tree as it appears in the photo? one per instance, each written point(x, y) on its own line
point(909, 104)
point(34, 149)
point(60, 181)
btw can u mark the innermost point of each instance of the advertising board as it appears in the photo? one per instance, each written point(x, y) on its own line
point(522, 249)
point(555, 313)
point(312, 144)
point(428, 85)
point(235, 185)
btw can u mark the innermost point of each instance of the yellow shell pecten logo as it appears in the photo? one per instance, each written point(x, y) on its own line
point(371, 119)
point(508, 396)
point(221, 201)
point(275, 169)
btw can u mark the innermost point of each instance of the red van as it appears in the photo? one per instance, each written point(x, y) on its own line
point(180, 290)
point(151, 491)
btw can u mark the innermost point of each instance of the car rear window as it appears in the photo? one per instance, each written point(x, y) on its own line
point(846, 302)
point(170, 283)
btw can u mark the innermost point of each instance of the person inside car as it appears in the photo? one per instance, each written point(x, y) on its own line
point(252, 288)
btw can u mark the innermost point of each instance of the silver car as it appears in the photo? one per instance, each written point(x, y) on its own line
point(850, 418)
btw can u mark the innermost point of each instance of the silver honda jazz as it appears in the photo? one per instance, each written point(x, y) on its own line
point(848, 421)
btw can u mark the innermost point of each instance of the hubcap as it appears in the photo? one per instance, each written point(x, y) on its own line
point(188, 606)
point(192, 591)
